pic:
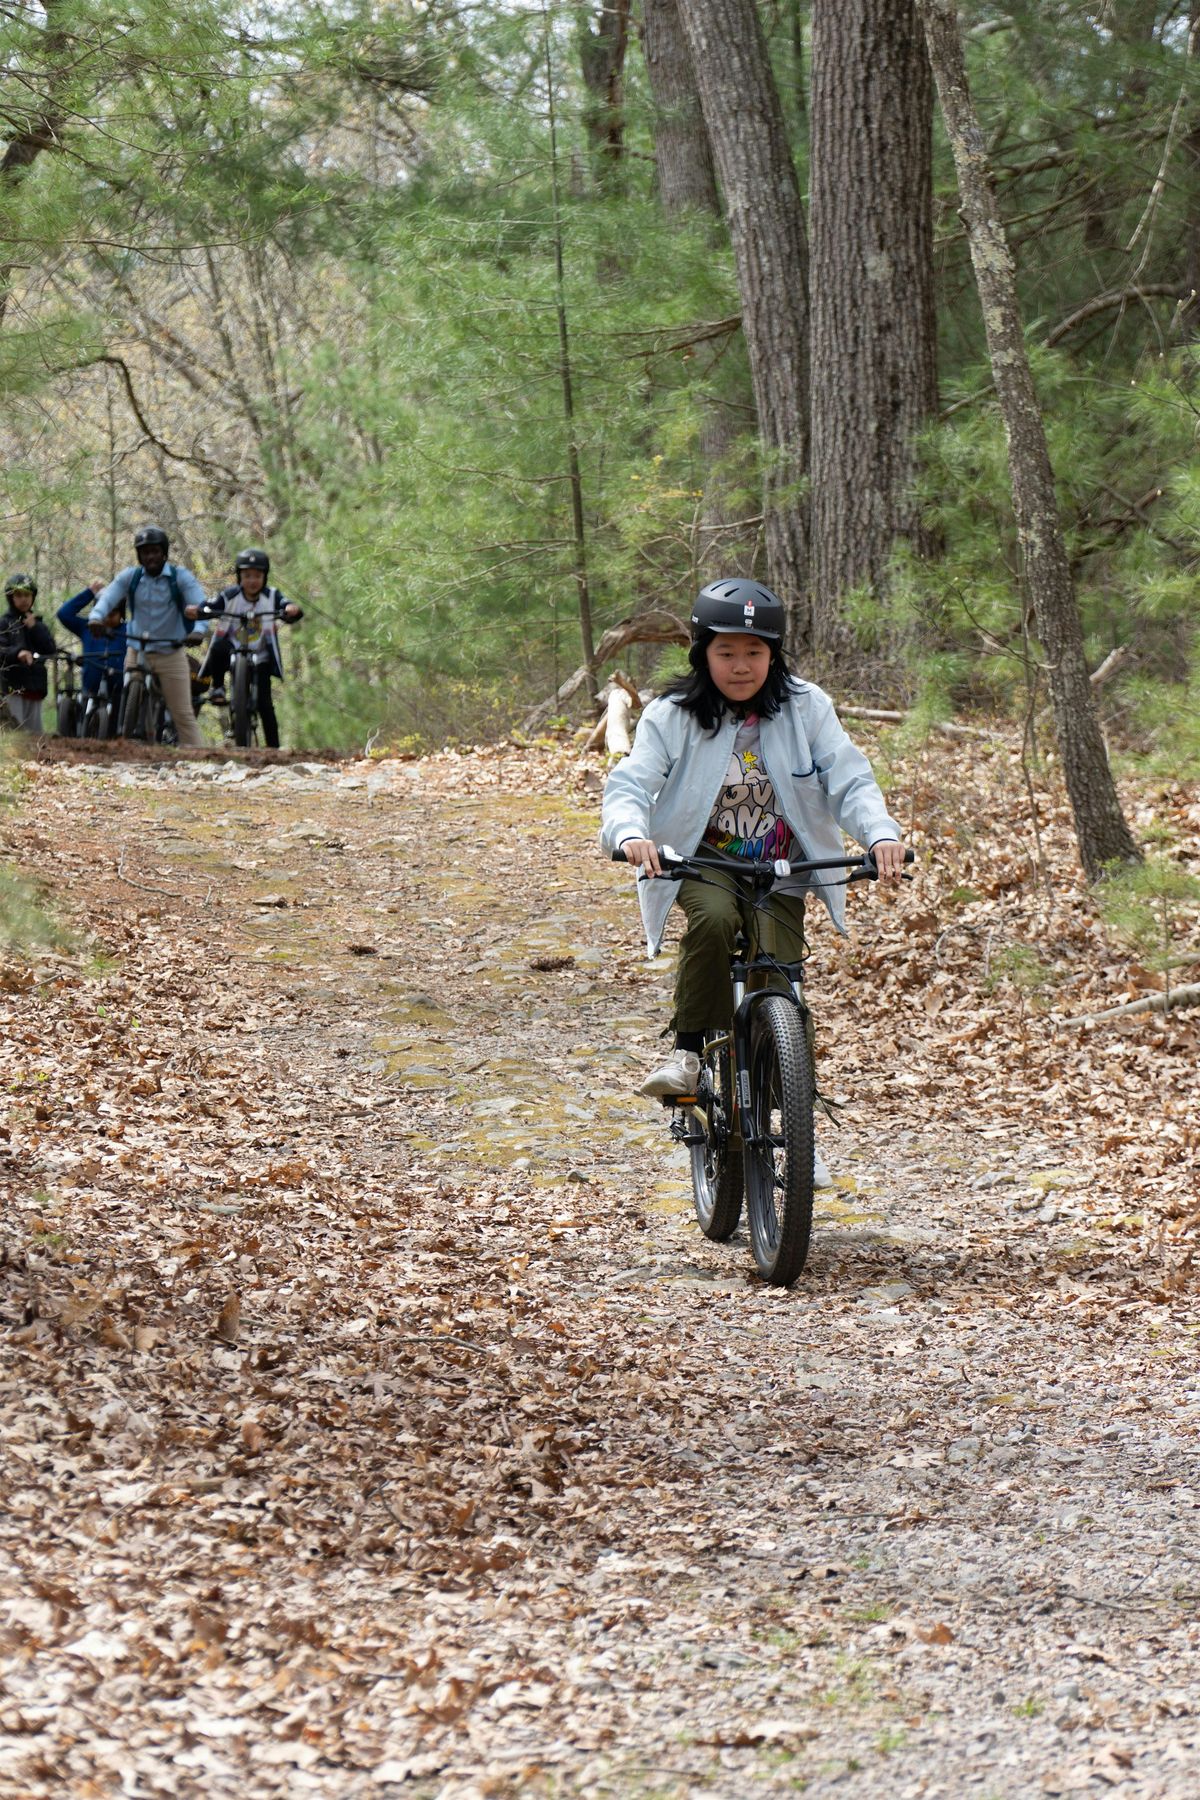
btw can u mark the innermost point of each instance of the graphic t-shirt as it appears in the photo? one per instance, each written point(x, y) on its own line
point(746, 820)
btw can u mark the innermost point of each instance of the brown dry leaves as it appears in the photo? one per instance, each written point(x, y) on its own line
point(364, 1422)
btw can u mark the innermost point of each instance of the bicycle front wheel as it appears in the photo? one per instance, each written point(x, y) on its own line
point(241, 705)
point(129, 719)
point(779, 1166)
point(716, 1165)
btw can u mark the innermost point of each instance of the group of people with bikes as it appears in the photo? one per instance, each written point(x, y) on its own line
point(136, 678)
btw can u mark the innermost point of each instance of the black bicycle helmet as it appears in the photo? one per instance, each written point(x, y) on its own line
point(736, 605)
point(20, 581)
point(252, 559)
point(150, 535)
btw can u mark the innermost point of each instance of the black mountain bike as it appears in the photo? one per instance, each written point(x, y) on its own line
point(78, 713)
point(748, 1128)
point(97, 712)
point(143, 709)
point(66, 693)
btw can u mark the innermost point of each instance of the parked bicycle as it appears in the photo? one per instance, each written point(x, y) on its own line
point(748, 1128)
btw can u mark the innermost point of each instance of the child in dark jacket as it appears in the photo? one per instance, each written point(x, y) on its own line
point(25, 642)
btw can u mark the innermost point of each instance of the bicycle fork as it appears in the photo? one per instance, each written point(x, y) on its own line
point(744, 1003)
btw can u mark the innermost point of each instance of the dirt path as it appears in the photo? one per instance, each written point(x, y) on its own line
point(374, 1419)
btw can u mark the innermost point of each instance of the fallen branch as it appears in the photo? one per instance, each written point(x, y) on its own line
point(653, 626)
point(1112, 662)
point(885, 716)
point(1183, 996)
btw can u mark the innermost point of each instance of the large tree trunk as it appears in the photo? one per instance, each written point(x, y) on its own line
point(40, 122)
point(687, 185)
point(602, 47)
point(1100, 826)
point(687, 181)
point(1190, 315)
point(745, 124)
point(874, 330)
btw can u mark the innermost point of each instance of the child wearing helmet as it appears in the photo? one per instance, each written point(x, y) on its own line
point(738, 758)
point(24, 645)
point(251, 594)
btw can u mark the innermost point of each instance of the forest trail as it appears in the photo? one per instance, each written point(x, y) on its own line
point(375, 1419)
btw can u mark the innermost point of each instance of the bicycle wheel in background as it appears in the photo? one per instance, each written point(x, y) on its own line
point(129, 716)
point(716, 1164)
point(239, 705)
point(64, 716)
point(779, 1168)
point(96, 718)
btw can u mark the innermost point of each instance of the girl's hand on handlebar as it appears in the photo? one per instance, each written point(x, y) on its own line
point(643, 854)
point(889, 859)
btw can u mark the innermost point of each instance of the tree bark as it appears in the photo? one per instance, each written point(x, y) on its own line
point(874, 329)
point(687, 181)
point(602, 47)
point(744, 118)
point(42, 120)
point(687, 185)
point(1100, 826)
point(1190, 314)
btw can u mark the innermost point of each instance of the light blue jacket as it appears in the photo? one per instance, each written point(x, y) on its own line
point(157, 621)
point(667, 786)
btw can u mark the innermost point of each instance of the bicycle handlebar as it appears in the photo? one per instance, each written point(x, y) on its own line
point(676, 867)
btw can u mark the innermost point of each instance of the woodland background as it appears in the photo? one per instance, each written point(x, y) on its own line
point(438, 301)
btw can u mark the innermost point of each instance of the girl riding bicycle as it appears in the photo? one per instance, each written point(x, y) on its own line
point(740, 758)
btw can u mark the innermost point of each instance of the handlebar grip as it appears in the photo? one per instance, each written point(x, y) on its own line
point(619, 855)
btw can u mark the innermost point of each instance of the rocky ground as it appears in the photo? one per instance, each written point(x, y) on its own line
point(374, 1418)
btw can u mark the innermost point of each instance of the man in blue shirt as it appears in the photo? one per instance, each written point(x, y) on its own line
point(162, 599)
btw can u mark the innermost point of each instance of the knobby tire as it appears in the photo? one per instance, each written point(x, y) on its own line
point(64, 716)
point(716, 1164)
point(129, 719)
point(155, 717)
point(779, 1169)
point(243, 712)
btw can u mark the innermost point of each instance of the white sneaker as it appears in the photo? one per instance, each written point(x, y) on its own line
point(678, 1075)
point(821, 1176)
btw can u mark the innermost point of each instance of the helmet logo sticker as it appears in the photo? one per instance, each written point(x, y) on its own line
point(748, 615)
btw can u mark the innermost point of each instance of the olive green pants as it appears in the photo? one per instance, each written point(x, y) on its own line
point(702, 996)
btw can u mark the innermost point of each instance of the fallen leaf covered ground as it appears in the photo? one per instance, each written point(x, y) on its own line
point(374, 1419)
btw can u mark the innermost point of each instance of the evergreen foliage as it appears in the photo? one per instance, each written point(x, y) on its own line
point(290, 278)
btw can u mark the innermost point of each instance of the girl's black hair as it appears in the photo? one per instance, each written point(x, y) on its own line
point(699, 694)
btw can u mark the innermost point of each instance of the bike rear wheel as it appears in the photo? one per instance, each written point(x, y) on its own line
point(64, 716)
point(716, 1164)
point(240, 705)
point(779, 1167)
